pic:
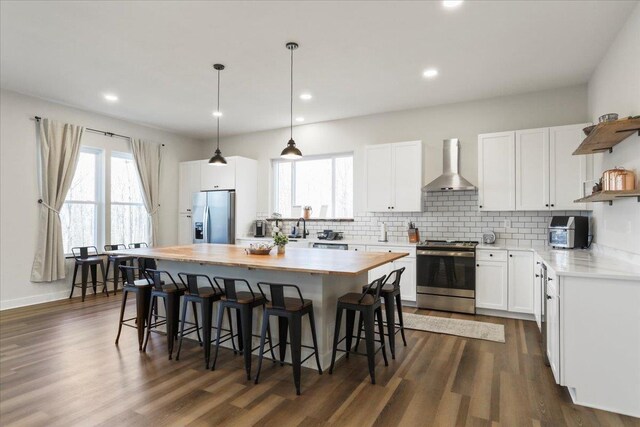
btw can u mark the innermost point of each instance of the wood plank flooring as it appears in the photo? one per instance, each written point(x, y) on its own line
point(59, 367)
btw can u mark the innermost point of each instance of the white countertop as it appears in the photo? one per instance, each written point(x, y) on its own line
point(347, 241)
point(580, 262)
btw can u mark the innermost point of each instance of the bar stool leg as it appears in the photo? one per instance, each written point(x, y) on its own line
point(85, 277)
point(124, 304)
point(247, 320)
point(295, 334)
point(219, 327)
point(146, 338)
point(312, 322)
point(336, 337)
point(389, 308)
point(240, 334)
point(94, 278)
point(182, 322)
point(263, 334)
point(73, 282)
point(399, 307)
point(270, 338)
point(143, 309)
point(283, 328)
point(207, 311)
point(104, 279)
point(195, 319)
point(381, 332)
point(115, 265)
point(369, 336)
point(360, 326)
point(351, 316)
point(173, 306)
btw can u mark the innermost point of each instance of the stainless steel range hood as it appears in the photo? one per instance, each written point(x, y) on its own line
point(450, 180)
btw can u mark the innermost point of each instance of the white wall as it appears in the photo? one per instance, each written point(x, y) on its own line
point(431, 125)
point(19, 190)
point(615, 88)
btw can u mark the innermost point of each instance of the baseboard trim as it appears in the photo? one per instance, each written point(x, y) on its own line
point(507, 314)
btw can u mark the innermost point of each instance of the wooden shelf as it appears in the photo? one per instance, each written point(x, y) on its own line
point(609, 196)
point(608, 134)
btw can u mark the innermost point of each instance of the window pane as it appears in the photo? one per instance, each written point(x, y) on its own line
point(283, 181)
point(313, 184)
point(125, 184)
point(83, 186)
point(78, 225)
point(129, 224)
point(344, 187)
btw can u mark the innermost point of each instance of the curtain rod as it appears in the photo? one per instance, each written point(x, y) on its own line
point(110, 134)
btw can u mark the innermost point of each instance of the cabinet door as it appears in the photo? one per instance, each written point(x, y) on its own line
point(532, 169)
point(184, 229)
point(537, 292)
point(568, 172)
point(491, 285)
point(553, 332)
point(218, 177)
point(496, 172)
point(521, 283)
point(379, 177)
point(408, 282)
point(407, 176)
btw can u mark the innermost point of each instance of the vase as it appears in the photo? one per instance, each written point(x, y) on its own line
point(281, 249)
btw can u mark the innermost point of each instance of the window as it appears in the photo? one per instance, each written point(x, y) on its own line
point(323, 182)
point(80, 216)
point(129, 219)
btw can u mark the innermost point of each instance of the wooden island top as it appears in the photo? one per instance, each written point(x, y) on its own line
point(302, 260)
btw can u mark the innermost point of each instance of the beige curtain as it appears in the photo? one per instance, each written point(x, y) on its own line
point(59, 147)
point(148, 157)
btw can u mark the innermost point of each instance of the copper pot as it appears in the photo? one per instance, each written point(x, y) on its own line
point(625, 180)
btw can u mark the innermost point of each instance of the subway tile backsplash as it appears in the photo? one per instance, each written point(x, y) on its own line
point(446, 215)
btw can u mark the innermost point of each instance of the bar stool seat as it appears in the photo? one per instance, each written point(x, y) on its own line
point(292, 304)
point(246, 298)
point(357, 299)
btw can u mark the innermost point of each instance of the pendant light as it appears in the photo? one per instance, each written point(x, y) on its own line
point(291, 151)
point(217, 159)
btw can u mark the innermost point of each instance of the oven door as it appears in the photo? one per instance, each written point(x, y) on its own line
point(446, 272)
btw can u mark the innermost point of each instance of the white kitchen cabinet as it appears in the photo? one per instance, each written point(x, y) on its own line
point(532, 169)
point(521, 282)
point(218, 177)
point(359, 248)
point(185, 229)
point(496, 172)
point(567, 172)
point(394, 177)
point(408, 281)
point(537, 291)
point(553, 324)
point(491, 285)
point(188, 183)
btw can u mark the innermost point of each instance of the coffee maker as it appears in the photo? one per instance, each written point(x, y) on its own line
point(260, 228)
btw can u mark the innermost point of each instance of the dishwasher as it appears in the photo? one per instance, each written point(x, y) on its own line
point(339, 246)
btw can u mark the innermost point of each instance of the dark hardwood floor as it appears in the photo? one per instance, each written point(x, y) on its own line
point(59, 367)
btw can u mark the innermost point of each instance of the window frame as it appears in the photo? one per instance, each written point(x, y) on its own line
point(332, 156)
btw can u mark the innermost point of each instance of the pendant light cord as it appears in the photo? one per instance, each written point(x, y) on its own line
point(218, 116)
point(291, 99)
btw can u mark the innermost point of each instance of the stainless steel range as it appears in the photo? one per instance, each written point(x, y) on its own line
point(446, 275)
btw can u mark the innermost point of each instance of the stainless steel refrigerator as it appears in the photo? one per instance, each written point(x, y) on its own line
point(214, 217)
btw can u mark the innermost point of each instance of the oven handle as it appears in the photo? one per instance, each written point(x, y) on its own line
point(447, 253)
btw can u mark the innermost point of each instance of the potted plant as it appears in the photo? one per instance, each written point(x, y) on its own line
point(280, 239)
point(307, 212)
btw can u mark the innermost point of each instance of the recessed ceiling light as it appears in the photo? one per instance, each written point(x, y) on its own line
point(110, 97)
point(299, 119)
point(306, 96)
point(430, 73)
point(450, 4)
point(217, 114)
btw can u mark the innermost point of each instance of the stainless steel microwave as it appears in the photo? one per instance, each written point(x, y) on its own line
point(569, 232)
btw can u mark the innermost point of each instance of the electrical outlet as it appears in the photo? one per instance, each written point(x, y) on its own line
point(506, 223)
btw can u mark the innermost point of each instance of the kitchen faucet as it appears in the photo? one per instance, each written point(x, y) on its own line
point(305, 233)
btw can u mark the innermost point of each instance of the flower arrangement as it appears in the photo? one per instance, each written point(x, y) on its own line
point(279, 238)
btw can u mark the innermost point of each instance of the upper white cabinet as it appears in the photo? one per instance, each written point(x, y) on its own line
point(531, 169)
point(496, 171)
point(568, 172)
point(394, 177)
point(521, 282)
point(189, 183)
point(218, 177)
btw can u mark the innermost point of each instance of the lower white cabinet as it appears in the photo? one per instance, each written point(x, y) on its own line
point(553, 324)
point(491, 285)
point(408, 282)
point(521, 284)
point(184, 229)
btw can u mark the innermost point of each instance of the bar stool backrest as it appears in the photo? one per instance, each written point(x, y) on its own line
point(376, 286)
point(155, 276)
point(138, 245)
point(230, 288)
point(115, 247)
point(190, 281)
point(397, 277)
point(145, 264)
point(84, 252)
point(128, 273)
point(276, 290)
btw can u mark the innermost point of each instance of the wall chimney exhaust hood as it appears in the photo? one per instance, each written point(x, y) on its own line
point(450, 180)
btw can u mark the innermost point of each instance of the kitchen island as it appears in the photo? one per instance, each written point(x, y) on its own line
point(322, 275)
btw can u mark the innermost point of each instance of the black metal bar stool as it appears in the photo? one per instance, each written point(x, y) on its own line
point(205, 296)
point(170, 294)
point(369, 305)
point(142, 289)
point(116, 260)
point(244, 303)
point(138, 245)
point(289, 312)
point(87, 258)
point(390, 294)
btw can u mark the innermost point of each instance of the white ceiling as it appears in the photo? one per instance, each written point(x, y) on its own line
point(356, 58)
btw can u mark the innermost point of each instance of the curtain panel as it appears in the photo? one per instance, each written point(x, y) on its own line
point(58, 151)
point(148, 158)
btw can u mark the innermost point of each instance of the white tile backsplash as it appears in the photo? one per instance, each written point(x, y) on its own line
point(446, 215)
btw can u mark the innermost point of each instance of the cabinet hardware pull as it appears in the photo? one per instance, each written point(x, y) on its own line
point(480, 206)
point(477, 265)
point(552, 205)
point(537, 275)
point(547, 204)
point(490, 254)
point(549, 279)
point(549, 297)
point(510, 256)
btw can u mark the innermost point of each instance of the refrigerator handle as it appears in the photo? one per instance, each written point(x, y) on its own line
point(206, 224)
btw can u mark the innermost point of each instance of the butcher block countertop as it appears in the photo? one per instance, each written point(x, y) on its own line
point(302, 260)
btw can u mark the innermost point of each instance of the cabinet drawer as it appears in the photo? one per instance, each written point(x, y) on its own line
point(491, 255)
point(359, 248)
point(393, 249)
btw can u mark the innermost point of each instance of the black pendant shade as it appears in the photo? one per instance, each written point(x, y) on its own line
point(291, 151)
point(217, 159)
